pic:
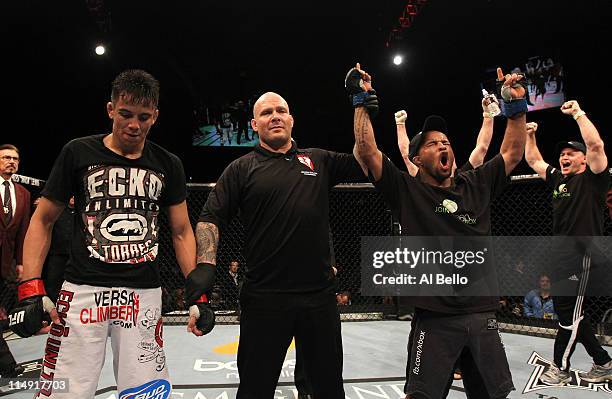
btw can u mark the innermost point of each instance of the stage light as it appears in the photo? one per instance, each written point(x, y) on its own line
point(100, 49)
point(398, 59)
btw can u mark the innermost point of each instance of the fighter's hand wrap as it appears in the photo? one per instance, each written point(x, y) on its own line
point(400, 117)
point(512, 106)
point(26, 319)
point(198, 282)
point(504, 91)
point(359, 96)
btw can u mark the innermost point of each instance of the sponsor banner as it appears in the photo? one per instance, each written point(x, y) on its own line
point(542, 266)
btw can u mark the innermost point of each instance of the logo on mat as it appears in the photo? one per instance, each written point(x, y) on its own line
point(158, 389)
point(305, 159)
point(540, 363)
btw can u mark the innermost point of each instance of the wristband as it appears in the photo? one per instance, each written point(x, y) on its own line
point(514, 107)
point(359, 98)
point(487, 115)
point(578, 114)
point(30, 288)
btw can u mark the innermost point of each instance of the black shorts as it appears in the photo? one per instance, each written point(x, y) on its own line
point(439, 340)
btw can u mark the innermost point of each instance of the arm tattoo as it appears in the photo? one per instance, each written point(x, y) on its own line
point(360, 129)
point(207, 239)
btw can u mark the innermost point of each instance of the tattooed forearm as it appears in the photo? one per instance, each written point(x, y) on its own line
point(364, 138)
point(366, 152)
point(207, 239)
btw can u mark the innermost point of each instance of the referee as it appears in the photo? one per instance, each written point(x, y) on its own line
point(281, 193)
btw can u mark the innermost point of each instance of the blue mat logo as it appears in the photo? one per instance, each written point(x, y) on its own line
point(156, 389)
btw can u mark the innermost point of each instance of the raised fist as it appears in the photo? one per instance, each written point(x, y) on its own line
point(400, 117)
point(357, 80)
point(358, 85)
point(570, 107)
point(532, 127)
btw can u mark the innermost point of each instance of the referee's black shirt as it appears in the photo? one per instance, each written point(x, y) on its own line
point(283, 201)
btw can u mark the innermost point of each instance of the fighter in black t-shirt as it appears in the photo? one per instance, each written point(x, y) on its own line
point(121, 182)
point(434, 203)
point(578, 198)
point(477, 155)
point(476, 159)
point(281, 193)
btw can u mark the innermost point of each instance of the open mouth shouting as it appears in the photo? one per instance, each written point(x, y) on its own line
point(565, 166)
point(444, 161)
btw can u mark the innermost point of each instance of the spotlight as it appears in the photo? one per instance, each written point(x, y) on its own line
point(397, 60)
point(100, 50)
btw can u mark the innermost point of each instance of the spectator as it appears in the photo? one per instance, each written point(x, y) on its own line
point(343, 298)
point(232, 283)
point(14, 221)
point(538, 303)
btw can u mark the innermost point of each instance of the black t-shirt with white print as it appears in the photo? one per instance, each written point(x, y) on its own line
point(283, 203)
point(117, 204)
point(463, 209)
point(578, 201)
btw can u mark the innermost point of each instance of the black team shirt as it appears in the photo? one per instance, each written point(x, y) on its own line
point(463, 209)
point(117, 205)
point(283, 203)
point(578, 202)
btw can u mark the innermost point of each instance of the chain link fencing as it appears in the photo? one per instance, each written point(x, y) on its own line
point(357, 210)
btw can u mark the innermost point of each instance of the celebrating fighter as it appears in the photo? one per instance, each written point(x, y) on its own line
point(579, 193)
point(448, 325)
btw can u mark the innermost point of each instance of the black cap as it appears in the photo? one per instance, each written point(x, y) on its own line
point(576, 145)
point(432, 122)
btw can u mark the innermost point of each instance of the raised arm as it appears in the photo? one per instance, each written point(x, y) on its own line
point(403, 142)
point(596, 156)
point(484, 138)
point(532, 153)
point(515, 108)
point(358, 83)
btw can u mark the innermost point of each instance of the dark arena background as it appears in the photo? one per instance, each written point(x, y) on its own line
point(209, 56)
